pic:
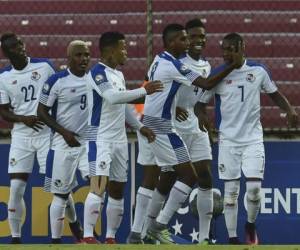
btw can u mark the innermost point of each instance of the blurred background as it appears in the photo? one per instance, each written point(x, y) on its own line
point(270, 29)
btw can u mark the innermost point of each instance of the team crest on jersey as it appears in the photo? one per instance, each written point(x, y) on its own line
point(46, 88)
point(184, 69)
point(222, 168)
point(103, 165)
point(250, 78)
point(99, 78)
point(57, 183)
point(35, 76)
point(12, 162)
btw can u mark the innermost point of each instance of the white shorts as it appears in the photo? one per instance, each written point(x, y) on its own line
point(249, 159)
point(198, 146)
point(169, 150)
point(109, 159)
point(61, 169)
point(22, 153)
point(145, 154)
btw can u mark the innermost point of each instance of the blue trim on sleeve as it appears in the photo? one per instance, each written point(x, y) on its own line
point(252, 63)
point(52, 80)
point(218, 113)
point(166, 113)
point(7, 68)
point(182, 69)
point(42, 60)
point(98, 74)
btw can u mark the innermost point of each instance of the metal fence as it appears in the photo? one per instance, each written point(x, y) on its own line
point(270, 29)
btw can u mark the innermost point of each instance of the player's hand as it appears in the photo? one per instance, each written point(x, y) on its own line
point(238, 55)
point(33, 122)
point(152, 87)
point(292, 119)
point(70, 138)
point(181, 114)
point(147, 132)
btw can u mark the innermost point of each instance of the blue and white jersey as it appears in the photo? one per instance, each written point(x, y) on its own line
point(237, 101)
point(66, 95)
point(188, 96)
point(159, 111)
point(21, 89)
point(107, 121)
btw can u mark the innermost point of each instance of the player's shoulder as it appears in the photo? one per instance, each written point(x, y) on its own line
point(98, 73)
point(57, 76)
point(258, 66)
point(44, 61)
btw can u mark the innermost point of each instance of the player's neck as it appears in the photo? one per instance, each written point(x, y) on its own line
point(19, 64)
point(173, 53)
point(77, 73)
point(196, 57)
point(109, 62)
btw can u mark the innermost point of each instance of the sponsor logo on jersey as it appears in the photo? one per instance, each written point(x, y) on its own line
point(46, 88)
point(250, 78)
point(228, 81)
point(73, 90)
point(99, 79)
point(14, 82)
point(35, 76)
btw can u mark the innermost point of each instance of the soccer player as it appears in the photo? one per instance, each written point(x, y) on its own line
point(241, 146)
point(197, 142)
point(20, 86)
point(65, 94)
point(168, 148)
point(108, 148)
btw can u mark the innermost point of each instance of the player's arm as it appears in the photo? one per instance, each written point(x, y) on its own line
point(136, 124)
point(281, 101)
point(69, 136)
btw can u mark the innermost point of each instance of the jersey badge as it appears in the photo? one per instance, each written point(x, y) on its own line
point(46, 88)
point(250, 78)
point(73, 90)
point(228, 81)
point(184, 69)
point(99, 79)
point(35, 76)
point(14, 82)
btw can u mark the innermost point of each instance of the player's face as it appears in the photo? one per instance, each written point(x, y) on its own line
point(15, 49)
point(197, 38)
point(120, 52)
point(181, 42)
point(228, 48)
point(79, 59)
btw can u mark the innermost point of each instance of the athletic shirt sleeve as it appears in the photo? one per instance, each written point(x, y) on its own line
point(268, 85)
point(4, 97)
point(49, 92)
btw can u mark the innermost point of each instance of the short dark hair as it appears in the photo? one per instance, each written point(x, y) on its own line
point(4, 37)
point(169, 30)
point(110, 39)
point(194, 23)
point(234, 38)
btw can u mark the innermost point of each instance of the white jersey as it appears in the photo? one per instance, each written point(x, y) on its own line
point(21, 89)
point(159, 111)
point(237, 101)
point(107, 120)
point(188, 96)
point(66, 94)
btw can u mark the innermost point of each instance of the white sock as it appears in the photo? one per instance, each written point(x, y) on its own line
point(143, 199)
point(91, 213)
point(57, 215)
point(70, 210)
point(114, 214)
point(253, 199)
point(156, 204)
point(230, 214)
point(177, 197)
point(205, 209)
point(16, 206)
